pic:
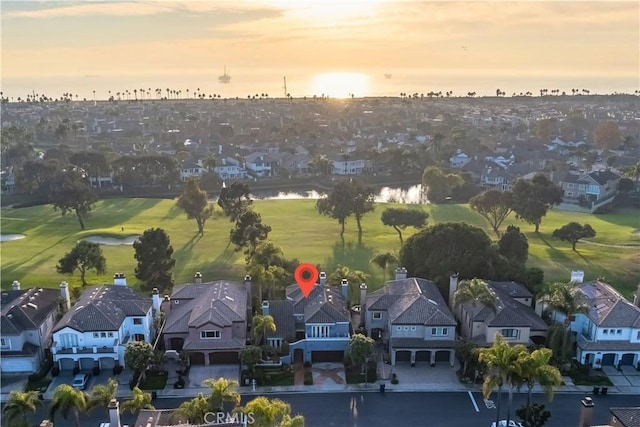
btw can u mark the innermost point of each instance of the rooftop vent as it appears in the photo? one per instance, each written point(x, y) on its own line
point(32, 305)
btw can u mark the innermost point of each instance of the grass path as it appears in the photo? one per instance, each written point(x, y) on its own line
point(302, 234)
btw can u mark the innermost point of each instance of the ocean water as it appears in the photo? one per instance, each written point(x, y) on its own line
point(300, 83)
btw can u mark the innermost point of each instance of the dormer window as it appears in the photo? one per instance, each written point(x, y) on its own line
point(210, 335)
point(137, 321)
point(377, 315)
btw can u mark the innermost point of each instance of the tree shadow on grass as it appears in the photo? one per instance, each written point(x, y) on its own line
point(350, 254)
point(116, 212)
point(173, 213)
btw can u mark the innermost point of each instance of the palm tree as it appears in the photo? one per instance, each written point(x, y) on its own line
point(384, 261)
point(561, 298)
point(102, 394)
point(19, 405)
point(139, 400)
point(68, 399)
point(222, 390)
point(192, 411)
point(536, 368)
point(260, 325)
point(505, 368)
point(474, 291)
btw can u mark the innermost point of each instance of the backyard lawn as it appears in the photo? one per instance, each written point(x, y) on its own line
point(301, 232)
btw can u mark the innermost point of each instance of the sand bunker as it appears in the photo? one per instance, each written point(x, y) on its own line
point(112, 241)
point(9, 237)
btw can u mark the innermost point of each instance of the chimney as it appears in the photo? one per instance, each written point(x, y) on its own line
point(119, 279)
point(166, 302)
point(453, 287)
point(577, 276)
point(46, 423)
point(198, 277)
point(155, 295)
point(114, 413)
point(64, 293)
point(323, 278)
point(636, 297)
point(15, 285)
point(344, 286)
point(401, 273)
point(586, 412)
point(265, 308)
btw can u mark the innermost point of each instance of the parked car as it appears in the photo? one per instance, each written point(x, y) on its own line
point(80, 381)
point(503, 423)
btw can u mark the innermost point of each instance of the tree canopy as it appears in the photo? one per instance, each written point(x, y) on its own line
point(573, 232)
point(83, 257)
point(154, 254)
point(138, 355)
point(195, 203)
point(348, 197)
point(249, 231)
point(438, 184)
point(360, 348)
point(532, 199)
point(514, 245)
point(607, 135)
point(400, 219)
point(72, 192)
point(494, 206)
point(270, 413)
point(448, 247)
point(235, 200)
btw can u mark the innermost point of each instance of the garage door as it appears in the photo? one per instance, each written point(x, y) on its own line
point(87, 364)
point(403, 356)
point(224, 357)
point(67, 364)
point(196, 358)
point(627, 359)
point(327, 356)
point(607, 359)
point(442, 356)
point(107, 362)
point(17, 365)
point(422, 356)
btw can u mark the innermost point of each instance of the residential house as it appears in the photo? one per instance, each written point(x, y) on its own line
point(513, 318)
point(413, 321)
point(296, 164)
point(459, 159)
point(28, 317)
point(230, 169)
point(261, 164)
point(345, 166)
point(97, 329)
point(609, 333)
point(317, 327)
point(594, 186)
point(190, 169)
point(496, 178)
point(208, 320)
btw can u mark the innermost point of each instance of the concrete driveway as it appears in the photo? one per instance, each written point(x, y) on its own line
point(198, 373)
point(424, 373)
point(328, 373)
point(66, 377)
point(12, 382)
point(626, 377)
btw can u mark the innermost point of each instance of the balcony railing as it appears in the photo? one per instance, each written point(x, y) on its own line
point(59, 349)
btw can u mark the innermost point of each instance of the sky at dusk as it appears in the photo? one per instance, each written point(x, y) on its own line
point(320, 46)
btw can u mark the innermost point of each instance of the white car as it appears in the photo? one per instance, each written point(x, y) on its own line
point(80, 381)
point(503, 423)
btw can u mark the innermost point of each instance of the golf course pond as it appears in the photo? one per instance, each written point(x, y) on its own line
point(10, 237)
point(111, 241)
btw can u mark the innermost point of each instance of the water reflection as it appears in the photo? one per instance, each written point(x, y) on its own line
point(410, 195)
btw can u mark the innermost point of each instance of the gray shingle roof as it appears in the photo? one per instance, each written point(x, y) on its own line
point(627, 417)
point(282, 313)
point(608, 345)
point(607, 307)
point(220, 303)
point(325, 304)
point(513, 289)
point(26, 309)
point(411, 301)
point(104, 308)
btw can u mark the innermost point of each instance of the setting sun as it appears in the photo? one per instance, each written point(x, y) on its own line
point(341, 85)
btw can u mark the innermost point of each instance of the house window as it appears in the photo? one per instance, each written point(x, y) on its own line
point(110, 334)
point(413, 328)
point(509, 333)
point(398, 328)
point(210, 335)
point(405, 328)
point(103, 334)
point(137, 321)
point(5, 343)
point(611, 331)
point(377, 315)
point(439, 332)
point(96, 335)
point(619, 332)
point(638, 337)
point(605, 332)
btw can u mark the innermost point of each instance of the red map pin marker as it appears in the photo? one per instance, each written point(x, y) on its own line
point(306, 276)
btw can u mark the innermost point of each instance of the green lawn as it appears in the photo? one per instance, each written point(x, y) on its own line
point(302, 234)
point(154, 381)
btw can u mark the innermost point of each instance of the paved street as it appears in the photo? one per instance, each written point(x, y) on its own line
point(447, 409)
